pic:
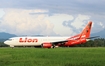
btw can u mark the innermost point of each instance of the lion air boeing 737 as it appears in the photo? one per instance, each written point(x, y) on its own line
point(51, 42)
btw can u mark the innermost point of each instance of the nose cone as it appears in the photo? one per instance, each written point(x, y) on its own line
point(5, 42)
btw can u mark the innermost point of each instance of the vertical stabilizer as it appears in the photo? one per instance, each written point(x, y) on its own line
point(86, 31)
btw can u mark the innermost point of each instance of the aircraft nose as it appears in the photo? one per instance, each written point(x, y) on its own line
point(5, 42)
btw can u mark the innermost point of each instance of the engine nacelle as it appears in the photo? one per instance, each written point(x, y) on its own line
point(46, 45)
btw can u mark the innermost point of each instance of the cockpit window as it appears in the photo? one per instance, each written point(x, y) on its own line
point(9, 39)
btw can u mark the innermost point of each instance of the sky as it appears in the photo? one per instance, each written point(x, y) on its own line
point(51, 17)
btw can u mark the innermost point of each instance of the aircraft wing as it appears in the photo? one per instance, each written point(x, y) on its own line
point(62, 42)
point(55, 43)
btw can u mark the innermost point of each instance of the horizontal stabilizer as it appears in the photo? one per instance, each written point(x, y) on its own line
point(93, 37)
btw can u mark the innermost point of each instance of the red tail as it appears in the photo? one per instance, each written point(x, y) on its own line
point(86, 31)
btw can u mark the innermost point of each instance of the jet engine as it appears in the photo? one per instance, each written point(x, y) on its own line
point(46, 45)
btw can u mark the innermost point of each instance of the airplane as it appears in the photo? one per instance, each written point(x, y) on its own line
point(52, 42)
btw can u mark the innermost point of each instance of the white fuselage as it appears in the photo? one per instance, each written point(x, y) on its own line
point(32, 41)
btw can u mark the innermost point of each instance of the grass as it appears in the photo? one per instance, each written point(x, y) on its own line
point(52, 57)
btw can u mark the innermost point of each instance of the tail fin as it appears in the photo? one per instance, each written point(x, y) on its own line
point(86, 31)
